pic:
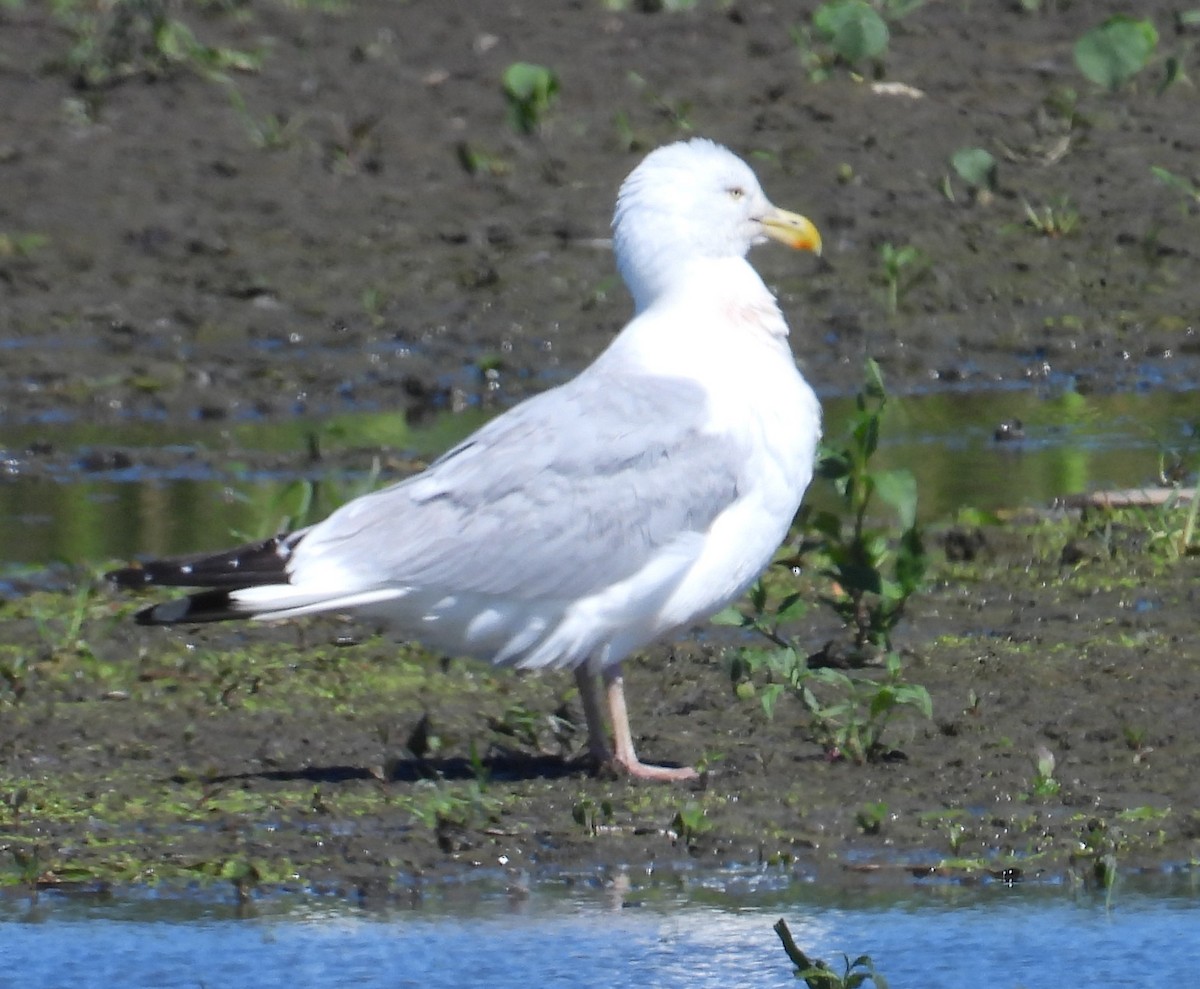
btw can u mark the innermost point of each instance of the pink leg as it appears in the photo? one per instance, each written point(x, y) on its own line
point(625, 756)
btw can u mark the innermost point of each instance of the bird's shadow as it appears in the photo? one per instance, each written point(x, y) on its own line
point(507, 767)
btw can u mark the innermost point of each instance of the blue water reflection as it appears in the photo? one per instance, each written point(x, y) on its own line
point(943, 938)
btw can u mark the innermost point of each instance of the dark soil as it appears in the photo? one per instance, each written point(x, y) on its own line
point(306, 238)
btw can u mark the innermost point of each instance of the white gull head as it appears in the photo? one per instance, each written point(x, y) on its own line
point(694, 200)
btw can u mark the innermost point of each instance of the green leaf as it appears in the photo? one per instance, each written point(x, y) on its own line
point(770, 695)
point(860, 578)
point(899, 489)
point(530, 90)
point(884, 700)
point(758, 597)
point(911, 561)
point(918, 697)
point(975, 166)
point(1113, 53)
point(1176, 182)
point(873, 375)
point(792, 606)
point(730, 616)
point(853, 28)
point(833, 464)
point(826, 523)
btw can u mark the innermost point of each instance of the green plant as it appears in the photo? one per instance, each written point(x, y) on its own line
point(1098, 846)
point(1189, 189)
point(1057, 220)
point(443, 807)
point(977, 168)
point(306, 501)
point(675, 111)
point(527, 728)
point(860, 707)
point(903, 267)
point(592, 816)
point(818, 975)
point(268, 133)
point(1044, 783)
point(21, 245)
point(873, 581)
point(853, 29)
point(1117, 50)
point(61, 634)
point(846, 32)
point(690, 821)
point(114, 41)
point(477, 161)
point(870, 817)
point(530, 91)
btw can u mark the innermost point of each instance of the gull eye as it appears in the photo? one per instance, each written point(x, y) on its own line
point(736, 192)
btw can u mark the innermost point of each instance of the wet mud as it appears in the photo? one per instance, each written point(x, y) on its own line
point(307, 239)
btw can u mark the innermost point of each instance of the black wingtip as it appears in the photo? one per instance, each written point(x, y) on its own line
point(242, 566)
point(129, 578)
point(206, 606)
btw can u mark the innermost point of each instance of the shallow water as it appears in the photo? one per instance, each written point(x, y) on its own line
point(708, 934)
point(199, 488)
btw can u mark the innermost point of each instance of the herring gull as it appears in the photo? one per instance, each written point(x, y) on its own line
point(584, 523)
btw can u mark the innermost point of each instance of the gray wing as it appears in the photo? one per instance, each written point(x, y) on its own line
point(561, 496)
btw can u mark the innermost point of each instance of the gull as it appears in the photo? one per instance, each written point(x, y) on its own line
point(588, 521)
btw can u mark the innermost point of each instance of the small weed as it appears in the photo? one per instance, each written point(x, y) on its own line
point(873, 582)
point(268, 133)
point(244, 875)
point(526, 727)
point(125, 38)
point(438, 805)
point(871, 817)
point(956, 831)
point(530, 91)
point(476, 161)
point(1056, 220)
point(1099, 844)
point(304, 502)
point(28, 868)
point(592, 816)
point(677, 113)
point(852, 724)
point(903, 268)
point(852, 33)
point(374, 301)
point(354, 150)
point(818, 975)
point(952, 822)
point(978, 169)
point(61, 634)
point(1135, 741)
point(1111, 54)
point(1044, 783)
point(21, 245)
point(1185, 187)
point(14, 669)
point(853, 29)
point(690, 822)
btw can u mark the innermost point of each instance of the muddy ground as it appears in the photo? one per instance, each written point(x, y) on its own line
point(304, 236)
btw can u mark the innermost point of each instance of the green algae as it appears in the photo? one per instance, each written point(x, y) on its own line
point(281, 754)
